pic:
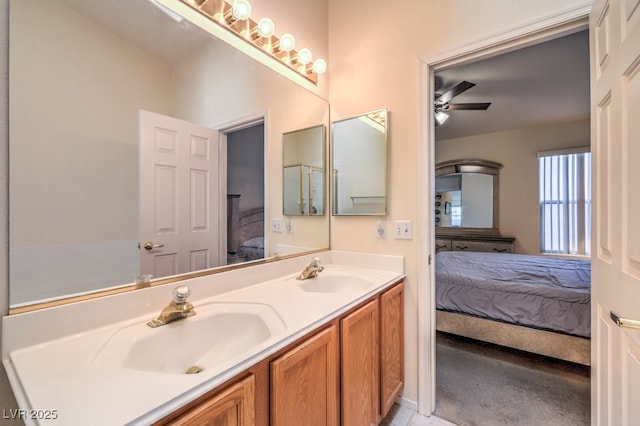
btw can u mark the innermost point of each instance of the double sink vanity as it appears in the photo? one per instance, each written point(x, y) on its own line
point(262, 348)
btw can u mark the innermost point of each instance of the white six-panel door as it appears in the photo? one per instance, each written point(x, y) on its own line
point(179, 200)
point(615, 115)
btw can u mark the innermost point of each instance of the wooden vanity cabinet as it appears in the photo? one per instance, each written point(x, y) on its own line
point(234, 406)
point(348, 373)
point(305, 383)
point(360, 366)
point(391, 346)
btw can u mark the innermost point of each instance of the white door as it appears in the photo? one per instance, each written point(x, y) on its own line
point(179, 200)
point(615, 115)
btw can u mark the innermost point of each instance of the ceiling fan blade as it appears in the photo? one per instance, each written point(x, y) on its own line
point(455, 91)
point(470, 106)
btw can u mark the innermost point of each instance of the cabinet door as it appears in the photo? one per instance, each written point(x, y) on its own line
point(234, 406)
point(391, 346)
point(360, 367)
point(304, 383)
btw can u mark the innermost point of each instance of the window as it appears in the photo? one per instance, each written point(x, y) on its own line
point(565, 201)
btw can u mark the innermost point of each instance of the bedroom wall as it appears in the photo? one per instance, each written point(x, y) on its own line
point(517, 151)
point(245, 166)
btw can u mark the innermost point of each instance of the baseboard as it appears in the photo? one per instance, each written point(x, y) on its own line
point(407, 403)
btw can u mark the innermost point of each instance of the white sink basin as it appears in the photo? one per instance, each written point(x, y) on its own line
point(336, 282)
point(218, 333)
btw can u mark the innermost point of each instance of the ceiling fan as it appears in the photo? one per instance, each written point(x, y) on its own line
point(441, 103)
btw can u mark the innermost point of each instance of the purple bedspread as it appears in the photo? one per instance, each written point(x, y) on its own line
point(538, 291)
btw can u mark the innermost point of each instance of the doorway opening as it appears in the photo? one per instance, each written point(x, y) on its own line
point(557, 27)
point(245, 188)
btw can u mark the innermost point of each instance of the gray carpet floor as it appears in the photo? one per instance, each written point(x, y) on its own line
point(480, 384)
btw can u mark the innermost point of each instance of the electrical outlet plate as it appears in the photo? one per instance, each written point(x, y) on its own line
point(381, 228)
point(276, 224)
point(403, 230)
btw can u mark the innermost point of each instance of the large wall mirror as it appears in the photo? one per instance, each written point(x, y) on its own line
point(359, 164)
point(80, 73)
point(467, 196)
point(303, 153)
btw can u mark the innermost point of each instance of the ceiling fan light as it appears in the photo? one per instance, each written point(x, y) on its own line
point(441, 117)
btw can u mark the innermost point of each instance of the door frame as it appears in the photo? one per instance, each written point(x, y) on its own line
point(558, 25)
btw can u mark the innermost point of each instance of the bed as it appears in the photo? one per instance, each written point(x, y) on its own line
point(539, 304)
point(250, 228)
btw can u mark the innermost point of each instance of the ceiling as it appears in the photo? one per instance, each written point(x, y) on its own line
point(537, 85)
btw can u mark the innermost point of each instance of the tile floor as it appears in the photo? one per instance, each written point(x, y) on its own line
point(403, 416)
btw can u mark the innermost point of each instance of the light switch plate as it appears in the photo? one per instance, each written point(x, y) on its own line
point(276, 224)
point(403, 230)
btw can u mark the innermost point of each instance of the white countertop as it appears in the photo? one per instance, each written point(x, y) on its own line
point(67, 375)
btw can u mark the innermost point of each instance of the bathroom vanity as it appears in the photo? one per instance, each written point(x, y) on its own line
point(313, 379)
point(263, 348)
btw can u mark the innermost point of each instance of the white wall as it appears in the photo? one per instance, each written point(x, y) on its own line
point(517, 151)
point(7, 400)
point(374, 46)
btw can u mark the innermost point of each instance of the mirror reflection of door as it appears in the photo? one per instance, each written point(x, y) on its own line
point(178, 196)
point(245, 193)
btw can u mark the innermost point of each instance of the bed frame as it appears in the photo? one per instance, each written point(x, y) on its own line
point(548, 343)
point(250, 224)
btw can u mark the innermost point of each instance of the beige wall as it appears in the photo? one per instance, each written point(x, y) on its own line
point(517, 151)
point(374, 46)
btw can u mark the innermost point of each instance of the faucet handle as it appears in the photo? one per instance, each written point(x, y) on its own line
point(180, 294)
point(315, 262)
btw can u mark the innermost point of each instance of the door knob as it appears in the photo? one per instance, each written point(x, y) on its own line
point(624, 322)
point(150, 246)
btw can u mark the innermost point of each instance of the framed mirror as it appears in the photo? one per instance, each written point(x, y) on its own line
point(467, 196)
point(359, 164)
point(303, 153)
point(80, 73)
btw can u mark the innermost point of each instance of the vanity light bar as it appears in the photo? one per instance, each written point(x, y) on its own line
point(236, 18)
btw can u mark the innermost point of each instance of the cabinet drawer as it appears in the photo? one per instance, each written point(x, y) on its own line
point(493, 247)
point(443, 245)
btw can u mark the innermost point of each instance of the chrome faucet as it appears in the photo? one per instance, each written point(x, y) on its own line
point(312, 270)
point(178, 309)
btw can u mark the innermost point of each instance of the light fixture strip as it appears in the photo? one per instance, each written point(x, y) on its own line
point(219, 11)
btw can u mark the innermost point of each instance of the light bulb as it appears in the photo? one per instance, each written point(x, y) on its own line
point(287, 42)
point(266, 27)
point(319, 66)
point(241, 9)
point(304, 56)
point(441, 117)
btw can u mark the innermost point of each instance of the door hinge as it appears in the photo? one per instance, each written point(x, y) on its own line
point(429, 259)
